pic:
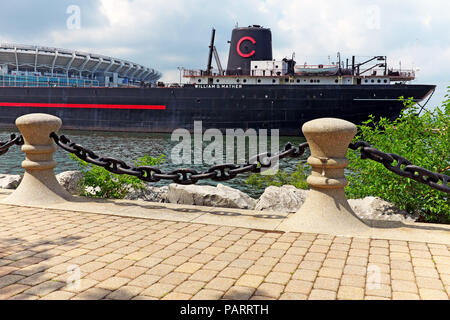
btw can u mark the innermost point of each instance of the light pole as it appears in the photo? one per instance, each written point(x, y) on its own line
point(180, 69)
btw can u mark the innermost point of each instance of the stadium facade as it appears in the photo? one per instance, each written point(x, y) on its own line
point(38, 66)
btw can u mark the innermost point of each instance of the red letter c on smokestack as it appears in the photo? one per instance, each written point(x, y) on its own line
point(245, 55)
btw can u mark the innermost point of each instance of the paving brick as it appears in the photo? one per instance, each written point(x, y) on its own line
point(271, 290)
point(132, 272)
point(45, 288)
point(299, 286)
point(113, 283)
point(248, 280)
point(158, 290)
point(326, 283)
point(230, 272)
point(381, 290)
point(12, 290)
point(92, 294)
point(429, 294)
point(293, 296)
point(330, 272)
point(405, 296)
point(259, 270)
point(239, 293)
point(190, 287)
point(350, 293)
point(208, 294)
point(426, 272)
point(319, 294)
point(58, 295)
point(278, 277)
point(175, 278)
point(220, 284)
point(102, 274)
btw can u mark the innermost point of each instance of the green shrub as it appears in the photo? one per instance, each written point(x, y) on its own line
point(422, 139)
point(97, 182)
point(281, 178)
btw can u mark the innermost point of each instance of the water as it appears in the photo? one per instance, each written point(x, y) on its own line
point(130, 146)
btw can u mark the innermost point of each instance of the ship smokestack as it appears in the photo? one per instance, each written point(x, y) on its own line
point(253, 43)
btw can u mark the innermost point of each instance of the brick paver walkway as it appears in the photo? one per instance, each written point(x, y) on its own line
point(43, 251)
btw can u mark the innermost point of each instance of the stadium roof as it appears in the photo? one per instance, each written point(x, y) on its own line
point(56, 60)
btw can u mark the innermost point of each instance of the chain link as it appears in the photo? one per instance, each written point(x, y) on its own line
point(221, 172)
point(403, 167)
point(14, 140)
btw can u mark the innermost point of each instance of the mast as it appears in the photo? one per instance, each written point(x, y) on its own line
point(211, 49)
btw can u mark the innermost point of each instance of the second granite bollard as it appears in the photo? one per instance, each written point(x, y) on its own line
point(326, 208)
point(39, 185)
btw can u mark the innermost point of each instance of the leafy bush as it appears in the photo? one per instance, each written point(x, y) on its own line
point(97, 182)
point(425, 141)
point(281, 178)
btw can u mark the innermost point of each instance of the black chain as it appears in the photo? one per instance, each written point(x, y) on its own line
point(14, 140)
point(222, 172)
point(409, 170)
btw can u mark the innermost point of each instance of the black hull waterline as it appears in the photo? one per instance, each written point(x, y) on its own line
point(283, 107)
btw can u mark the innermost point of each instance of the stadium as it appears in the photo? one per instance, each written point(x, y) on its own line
point(37, 66)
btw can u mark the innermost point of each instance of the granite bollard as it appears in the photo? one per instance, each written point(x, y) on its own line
point(326, 208)
point(39, 185)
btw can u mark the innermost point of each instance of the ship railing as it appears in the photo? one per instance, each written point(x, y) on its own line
point(201, 73)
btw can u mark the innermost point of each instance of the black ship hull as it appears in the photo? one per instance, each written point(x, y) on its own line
point(283, 107)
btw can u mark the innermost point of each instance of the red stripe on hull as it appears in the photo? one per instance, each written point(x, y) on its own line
point(82, 106)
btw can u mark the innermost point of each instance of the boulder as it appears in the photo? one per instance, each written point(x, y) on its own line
point(152, 194)
point(373, 208)
point(70, 180)
point(220, 196)
point(286, 199)
point(9, 181)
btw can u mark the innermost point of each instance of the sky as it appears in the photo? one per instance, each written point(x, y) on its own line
point(167, 34)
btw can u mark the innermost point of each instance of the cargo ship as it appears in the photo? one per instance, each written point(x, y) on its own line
point(93, 92)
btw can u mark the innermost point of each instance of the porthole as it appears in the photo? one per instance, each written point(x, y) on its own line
point(318, 81)
point(259, 80)
point(273, 80)
point(287, 79)
point(372, 81)
point(217, 80)
point(366, 81)
point(385, 81)
point(245, 80)
point(256, 67)
point(379, 81)
point(311, 80)
point(336, 81)
point(298, 80)
point(237, 80)
point(276, 67)
point(199, 80)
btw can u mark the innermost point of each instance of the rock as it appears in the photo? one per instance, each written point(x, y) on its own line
point(70, 180)
point(286, 199)
point(373, 208)
point(152, 194)
point(9, 181)
point(220, 196)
